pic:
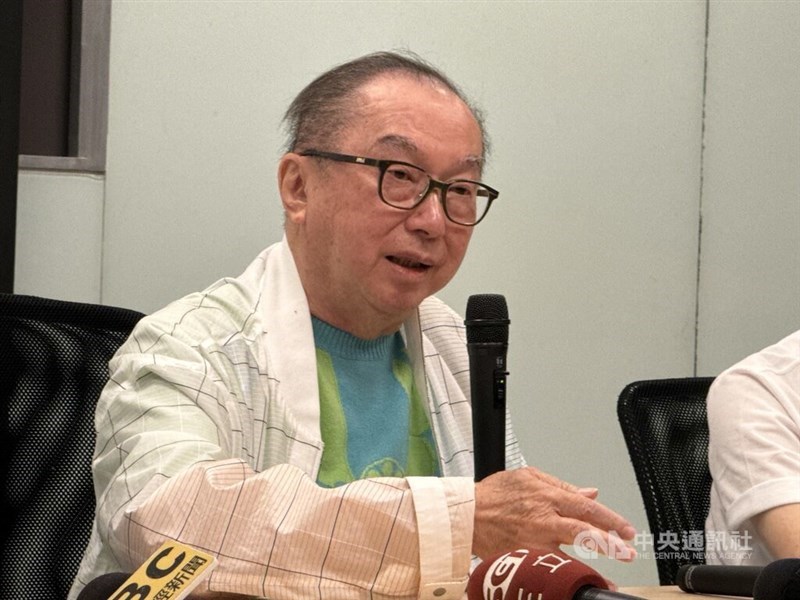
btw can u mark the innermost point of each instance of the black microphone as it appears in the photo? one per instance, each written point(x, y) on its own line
point(102, 587)
point(487, 344)
point(107, 587)
point(779, 580)
point(726, 580)
point(594, 593)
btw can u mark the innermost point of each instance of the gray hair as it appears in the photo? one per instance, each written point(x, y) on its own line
point(323, 108)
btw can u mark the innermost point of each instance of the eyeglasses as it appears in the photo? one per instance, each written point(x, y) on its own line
point(405, 186)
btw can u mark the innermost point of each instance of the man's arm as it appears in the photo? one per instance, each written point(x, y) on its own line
point(279, 535)
point(779, 528)
point(754, 449)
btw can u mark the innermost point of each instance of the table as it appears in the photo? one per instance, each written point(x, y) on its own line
point(669, 592)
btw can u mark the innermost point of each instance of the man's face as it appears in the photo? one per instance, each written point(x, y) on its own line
point(365, 265)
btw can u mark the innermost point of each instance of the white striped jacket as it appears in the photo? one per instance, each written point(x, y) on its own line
point(208, 433)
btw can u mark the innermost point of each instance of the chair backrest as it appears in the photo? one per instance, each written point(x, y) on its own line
point(665, 427)
point(53, 364)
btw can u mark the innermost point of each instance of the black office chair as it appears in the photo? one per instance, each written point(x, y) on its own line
point(665, 427)
point(53, 364)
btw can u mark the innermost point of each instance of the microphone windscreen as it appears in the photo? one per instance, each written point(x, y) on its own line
point(531, 573)
point(779, 580)
point(487, 319)
point(727, 580)
point(102, 587)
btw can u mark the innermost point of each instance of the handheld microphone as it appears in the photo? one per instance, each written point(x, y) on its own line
point(101, 588)
point(726, 580)
point(487, 344)
point(171, 572)
point(533, 574)
point(779, 580)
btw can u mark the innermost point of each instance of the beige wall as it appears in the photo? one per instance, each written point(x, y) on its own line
point(596, 110)
point(750, 275)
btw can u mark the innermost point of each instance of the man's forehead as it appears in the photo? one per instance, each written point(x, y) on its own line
point(396, 112)
point(402, 90)
point(407, 145)
point(393, 79)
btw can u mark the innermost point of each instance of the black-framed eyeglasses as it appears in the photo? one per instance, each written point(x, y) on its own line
point(405, 186)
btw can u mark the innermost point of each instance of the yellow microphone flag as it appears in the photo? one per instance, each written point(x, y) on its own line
point(170, 573)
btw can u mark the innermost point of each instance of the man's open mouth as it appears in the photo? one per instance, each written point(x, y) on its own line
point(408, 263)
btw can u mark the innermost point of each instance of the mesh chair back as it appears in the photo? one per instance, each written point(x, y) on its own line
point(53, 364)
point(666, 430)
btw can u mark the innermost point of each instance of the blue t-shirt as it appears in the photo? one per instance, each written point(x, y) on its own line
point(372, 419)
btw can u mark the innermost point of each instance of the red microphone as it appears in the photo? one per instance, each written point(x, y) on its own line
point(534, 574)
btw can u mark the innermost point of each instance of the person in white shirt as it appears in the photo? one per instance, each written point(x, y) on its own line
point(754, 458)
point(308, 422)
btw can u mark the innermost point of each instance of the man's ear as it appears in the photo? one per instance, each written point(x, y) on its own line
point(292, 182)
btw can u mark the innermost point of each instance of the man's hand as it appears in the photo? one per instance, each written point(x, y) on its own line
point(528, 508)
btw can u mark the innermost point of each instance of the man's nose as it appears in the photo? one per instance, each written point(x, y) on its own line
point(429, 216)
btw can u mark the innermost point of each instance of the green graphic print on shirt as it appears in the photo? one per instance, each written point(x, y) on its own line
point(372, 419)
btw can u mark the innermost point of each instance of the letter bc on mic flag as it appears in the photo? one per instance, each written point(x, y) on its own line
point(170, 573)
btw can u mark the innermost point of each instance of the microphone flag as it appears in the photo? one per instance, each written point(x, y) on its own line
point(170, 573)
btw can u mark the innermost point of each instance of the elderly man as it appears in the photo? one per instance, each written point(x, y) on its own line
point(308, 422)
